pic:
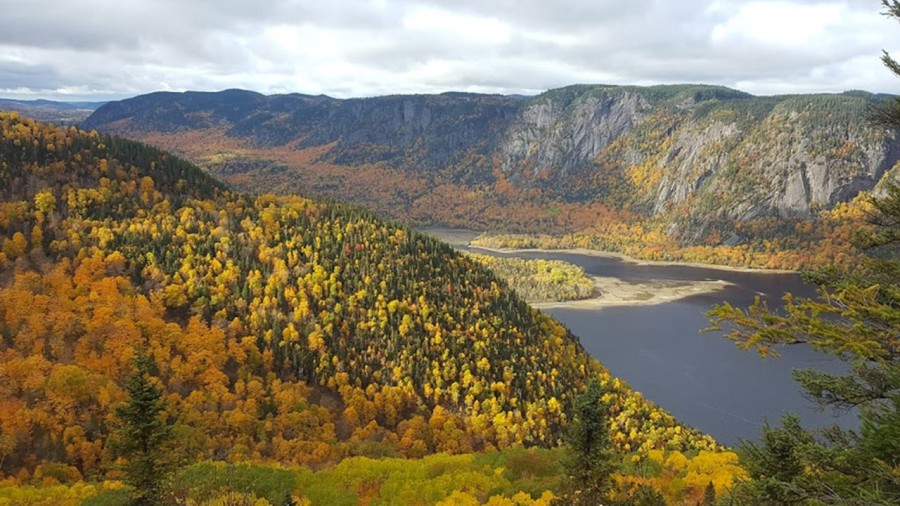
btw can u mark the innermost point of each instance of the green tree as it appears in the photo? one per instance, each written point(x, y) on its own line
point(589, 461)
point(709, 495)
point(888, 113)
point(143, 434)
point(856, 317)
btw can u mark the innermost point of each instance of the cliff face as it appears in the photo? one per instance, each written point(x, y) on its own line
point(564, 134)
point(701, 153)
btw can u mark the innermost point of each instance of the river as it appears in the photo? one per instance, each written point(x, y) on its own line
point(700, 377)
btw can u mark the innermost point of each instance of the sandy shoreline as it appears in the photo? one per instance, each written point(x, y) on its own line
point(617, 292)
point(631, 260)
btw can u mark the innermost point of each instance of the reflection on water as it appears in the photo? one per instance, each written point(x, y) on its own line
point(701, 378)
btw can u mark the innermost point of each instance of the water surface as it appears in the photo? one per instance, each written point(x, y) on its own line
point(700, 377)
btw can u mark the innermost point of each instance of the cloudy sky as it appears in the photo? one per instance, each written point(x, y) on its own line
point(103, 49)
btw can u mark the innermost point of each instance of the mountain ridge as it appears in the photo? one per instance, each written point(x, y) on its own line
point(51, 110)
point(696, 160)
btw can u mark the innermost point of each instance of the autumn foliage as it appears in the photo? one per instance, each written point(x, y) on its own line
point(284, 329)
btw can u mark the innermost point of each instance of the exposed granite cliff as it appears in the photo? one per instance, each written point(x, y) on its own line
point(710, 151)
point(566, 133)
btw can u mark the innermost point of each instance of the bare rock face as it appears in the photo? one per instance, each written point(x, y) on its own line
point(790, 175)
point(710, 152)
point(692, 161)
point(560, 138)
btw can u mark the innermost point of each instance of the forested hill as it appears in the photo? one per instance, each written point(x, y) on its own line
point(703, 165)
point(281, 328)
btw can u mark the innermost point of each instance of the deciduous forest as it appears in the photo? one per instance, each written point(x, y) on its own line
point(277, 329)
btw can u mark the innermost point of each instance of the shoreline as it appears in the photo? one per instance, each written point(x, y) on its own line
point(632, 260)
point(616, 292)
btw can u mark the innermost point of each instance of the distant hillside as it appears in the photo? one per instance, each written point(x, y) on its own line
point(47, 110)
point(434, 132)
point(694, 165)
point(283, 329)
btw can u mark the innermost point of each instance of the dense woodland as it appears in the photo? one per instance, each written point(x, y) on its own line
point(280, 329)
point(793, 245)
point(538, 280)
point(515, 477)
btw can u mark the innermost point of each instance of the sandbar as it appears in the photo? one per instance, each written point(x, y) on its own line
point(618, 292)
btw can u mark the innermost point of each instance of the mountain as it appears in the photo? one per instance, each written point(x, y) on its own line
point(433, 132)
point(696, 160)
point(281, 328)
point(51, 111)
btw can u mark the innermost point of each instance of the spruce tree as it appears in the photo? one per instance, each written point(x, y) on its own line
point(143, 434)
point(590, 460)
point(888, 113)
point(857, 319)
point(709, 495)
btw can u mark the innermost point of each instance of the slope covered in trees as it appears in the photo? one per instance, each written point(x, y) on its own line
point(280, 328)
point(515, 477)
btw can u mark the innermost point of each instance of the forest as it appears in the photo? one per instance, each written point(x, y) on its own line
point(538, 280)
point(275, 329)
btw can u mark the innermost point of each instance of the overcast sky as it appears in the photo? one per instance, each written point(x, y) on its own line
point(104, 49)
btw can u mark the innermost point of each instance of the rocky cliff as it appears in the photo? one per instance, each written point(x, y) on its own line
point(696, 154)
point(711, 149)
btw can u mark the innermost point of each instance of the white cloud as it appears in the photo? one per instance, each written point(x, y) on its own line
point(104, 49)
point(453, 26)
point(781, 24)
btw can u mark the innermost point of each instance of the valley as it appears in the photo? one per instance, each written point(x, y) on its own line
point(394, 253)
point(682, 172)
point(278, 329)
point(652, 320)
point(653, 338)
point(608, 290)
point(311, 332)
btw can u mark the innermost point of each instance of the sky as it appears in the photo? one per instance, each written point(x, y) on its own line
point(105, 49)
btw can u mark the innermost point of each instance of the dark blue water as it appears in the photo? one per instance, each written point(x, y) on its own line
point(700, 377)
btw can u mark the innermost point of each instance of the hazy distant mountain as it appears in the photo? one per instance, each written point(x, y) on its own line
point(49, 110)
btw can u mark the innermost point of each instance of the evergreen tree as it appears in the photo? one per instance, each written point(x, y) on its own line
point(590, 460)
point(856, 318)
point(143, 433)
point(709, 495)
point(888, 113)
